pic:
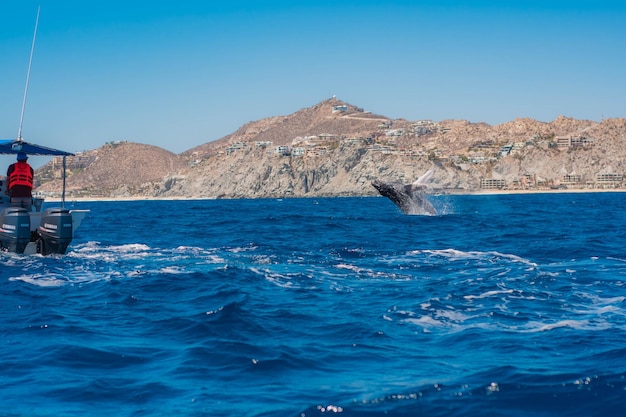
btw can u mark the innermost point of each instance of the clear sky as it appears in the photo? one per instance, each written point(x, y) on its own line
point(177, 74)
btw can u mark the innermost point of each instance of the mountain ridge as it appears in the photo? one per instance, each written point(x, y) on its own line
point(334, 148)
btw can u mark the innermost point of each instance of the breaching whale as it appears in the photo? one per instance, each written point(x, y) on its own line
point(409, 197)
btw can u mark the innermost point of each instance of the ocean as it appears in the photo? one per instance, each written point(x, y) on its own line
point(501, 305)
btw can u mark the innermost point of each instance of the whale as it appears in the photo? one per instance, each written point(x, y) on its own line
point(410, 198)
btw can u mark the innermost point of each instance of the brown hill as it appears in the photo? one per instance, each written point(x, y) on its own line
point(116, 169)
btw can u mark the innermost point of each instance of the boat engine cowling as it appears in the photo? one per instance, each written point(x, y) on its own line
point(14, 229)
point(55, 231)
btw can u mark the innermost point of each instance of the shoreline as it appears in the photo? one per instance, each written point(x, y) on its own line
point(439, 192)
point(542, 191)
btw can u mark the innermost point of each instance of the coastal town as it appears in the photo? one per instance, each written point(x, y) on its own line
point(481, 152)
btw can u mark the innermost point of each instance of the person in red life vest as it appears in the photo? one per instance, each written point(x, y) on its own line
point(20, 182)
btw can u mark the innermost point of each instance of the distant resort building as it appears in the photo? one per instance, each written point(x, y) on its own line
point(77, 161)
point(358, 141)
point(283, 150)
point(340, 109)
point(505, 150)
point(609, 180)
point(394, 132)
point(425, 127)
point(481, 159)
point(319, 151)
point(572, 179)
point(380, 148)
point(492, 184)
point(511, 148)
point(234, 147)
point(573, 141)
point(328, 137)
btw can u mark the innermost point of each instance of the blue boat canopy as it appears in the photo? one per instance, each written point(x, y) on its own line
point(13, 146)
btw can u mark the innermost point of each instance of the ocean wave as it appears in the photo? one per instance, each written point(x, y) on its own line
point(488, 294)
point(96, 247)
point(459, 255)
point(42, 280)
point(503, 392)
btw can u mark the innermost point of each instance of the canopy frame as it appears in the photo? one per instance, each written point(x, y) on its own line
point(13, 146)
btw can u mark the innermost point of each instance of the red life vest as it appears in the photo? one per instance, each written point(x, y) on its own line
point(21, 175)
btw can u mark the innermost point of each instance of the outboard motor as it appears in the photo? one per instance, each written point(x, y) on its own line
point(55, 231)
point(14, 229)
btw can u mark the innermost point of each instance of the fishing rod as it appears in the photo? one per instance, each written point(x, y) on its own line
point(17, 146)
point(30, 63)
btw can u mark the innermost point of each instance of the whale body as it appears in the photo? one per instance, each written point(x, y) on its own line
point(409, 197)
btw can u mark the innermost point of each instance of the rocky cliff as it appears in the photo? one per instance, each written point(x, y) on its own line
point(335, 149)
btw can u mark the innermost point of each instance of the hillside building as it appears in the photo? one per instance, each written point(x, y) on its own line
point(609, 180)
point(298, 151)
point(492, 184)
point(572, 179)
point(283, 150)
point(573, 141)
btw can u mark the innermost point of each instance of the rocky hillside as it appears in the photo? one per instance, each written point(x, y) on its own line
point(349, 121)
point(334, 148)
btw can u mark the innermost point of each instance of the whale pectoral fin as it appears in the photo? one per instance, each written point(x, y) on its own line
point(424, 178)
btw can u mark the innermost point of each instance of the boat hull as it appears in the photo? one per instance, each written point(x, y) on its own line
point(46, 233)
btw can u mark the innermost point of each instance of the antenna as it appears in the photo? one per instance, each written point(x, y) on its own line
point(30, 63)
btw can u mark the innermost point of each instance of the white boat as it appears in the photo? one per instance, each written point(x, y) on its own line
point(32, 230)
point(48, 231)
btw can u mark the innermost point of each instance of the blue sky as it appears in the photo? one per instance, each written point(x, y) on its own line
point(177, 74)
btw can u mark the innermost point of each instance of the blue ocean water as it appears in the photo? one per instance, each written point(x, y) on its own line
point(502, 305)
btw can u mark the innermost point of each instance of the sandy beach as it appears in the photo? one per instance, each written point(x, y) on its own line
point(436, 192)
